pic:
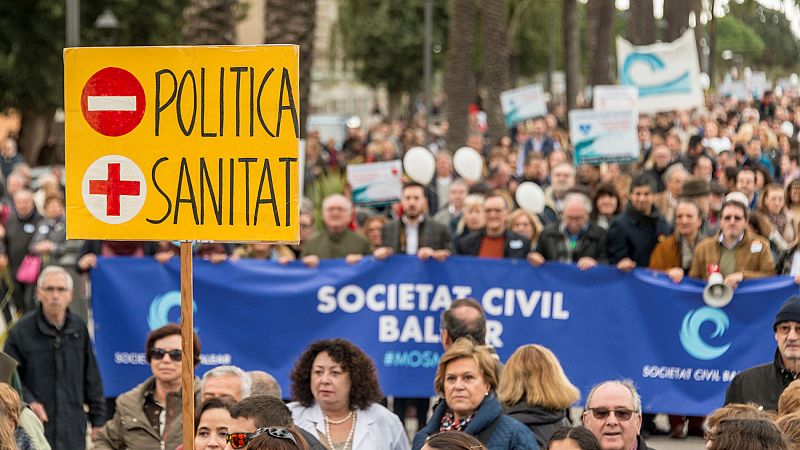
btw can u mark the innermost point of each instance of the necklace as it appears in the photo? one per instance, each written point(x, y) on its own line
point(349, 440)
point(338, 422)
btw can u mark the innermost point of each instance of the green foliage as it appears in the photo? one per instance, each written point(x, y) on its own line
point(529, 28)
point(385, 40)
point(774, 28)
point(736, 36)
point(32, 37)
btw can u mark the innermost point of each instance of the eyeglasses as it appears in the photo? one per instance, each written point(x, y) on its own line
point(61, 289)
point(620, 413)
point(240, 440)
point(158, 354)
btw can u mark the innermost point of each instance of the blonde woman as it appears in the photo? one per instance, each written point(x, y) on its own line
point(525, 223)
point(472, 218)
point(9, 419)
point(535, 390)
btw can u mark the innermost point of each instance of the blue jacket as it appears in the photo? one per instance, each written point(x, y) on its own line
point(508, 435)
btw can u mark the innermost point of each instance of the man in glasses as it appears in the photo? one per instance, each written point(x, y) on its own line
point(614, 415)
point(763, 385)
point(262, 411)
point(736, 252)
point(336, 239)
point(149, 415)
point(57, 365)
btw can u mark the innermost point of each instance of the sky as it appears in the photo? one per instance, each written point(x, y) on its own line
point(791, 10)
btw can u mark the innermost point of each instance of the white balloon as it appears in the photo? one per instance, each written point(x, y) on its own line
point(468, 163)
point(705, 81)
point(530, 197)
point(419, 164)
point(787, 128)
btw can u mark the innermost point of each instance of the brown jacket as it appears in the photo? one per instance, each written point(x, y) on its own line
point(130, 428)
point(752, 261)
point(666, 255)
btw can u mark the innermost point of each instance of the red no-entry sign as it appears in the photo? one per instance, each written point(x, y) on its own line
point(113, 101)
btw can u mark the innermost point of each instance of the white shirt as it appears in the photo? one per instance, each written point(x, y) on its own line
point(412, 236)
point(377, 428)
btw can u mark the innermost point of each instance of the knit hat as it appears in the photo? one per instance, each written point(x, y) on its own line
point(790, 311)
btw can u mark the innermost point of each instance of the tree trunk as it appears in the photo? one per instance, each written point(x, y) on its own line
point(33, 130)
point(641, 24)
point(676, 13)
point(494, 61)
point(210, 22)
point(600, 16)
point(293, 22)
point(572, 52)
point(459, 79)
point(712, 45)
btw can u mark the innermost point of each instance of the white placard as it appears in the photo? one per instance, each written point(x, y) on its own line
point(667, 74)
point(375, 183)
point(603, 136)
point(615, 98)
point(523, 103)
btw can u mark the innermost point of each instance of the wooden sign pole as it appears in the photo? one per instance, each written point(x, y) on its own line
point(187, 339)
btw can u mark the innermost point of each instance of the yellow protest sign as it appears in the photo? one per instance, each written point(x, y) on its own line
point(182, 143)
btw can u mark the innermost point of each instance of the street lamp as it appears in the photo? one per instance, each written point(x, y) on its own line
point(108, 25)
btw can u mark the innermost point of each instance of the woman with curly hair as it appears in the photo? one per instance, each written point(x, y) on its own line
point(336, 393)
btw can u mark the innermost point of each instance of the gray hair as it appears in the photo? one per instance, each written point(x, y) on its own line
point(264, 384)
point(627, 384)
point(51, 270)
point(672, 170)
point(577, 197)
point(332, 197)
point(229, 370)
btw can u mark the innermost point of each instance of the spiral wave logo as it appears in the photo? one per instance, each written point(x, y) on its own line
point(160, 307)
point(690, 337)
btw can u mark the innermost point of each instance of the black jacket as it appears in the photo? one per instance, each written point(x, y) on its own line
point(641, 444)
point(762, 385)
point(58, 369)
point(635, 235)
point(431, 234)
point(552, 244)
point(542, 421)
point(517, 246)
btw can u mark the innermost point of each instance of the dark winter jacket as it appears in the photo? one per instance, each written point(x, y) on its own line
point(517, 246)
point(641, 444)
point(762, 385)
point(58, 369)
point(542, 421)
point(508, 433)
point(634, 235)
point(431, 234)
point(19, 232)
point(552, 244)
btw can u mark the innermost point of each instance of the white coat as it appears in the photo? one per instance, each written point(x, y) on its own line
point(377, 428)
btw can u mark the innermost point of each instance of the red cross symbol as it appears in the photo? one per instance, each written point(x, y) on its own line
point(113, 188)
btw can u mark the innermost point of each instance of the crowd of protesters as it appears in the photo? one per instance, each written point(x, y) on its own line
point(713, 190)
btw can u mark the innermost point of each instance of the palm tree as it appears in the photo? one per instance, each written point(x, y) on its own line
point(572, 51)
point(209, 22)
point(495, 63)
point(459, 79)
point(600, 20)
point(293, 22)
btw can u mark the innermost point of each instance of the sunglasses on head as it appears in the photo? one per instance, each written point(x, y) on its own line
point(622, 414)
point(158, 354)
point(240, 440)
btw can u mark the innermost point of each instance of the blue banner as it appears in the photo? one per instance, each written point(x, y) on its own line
point(601, 323)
